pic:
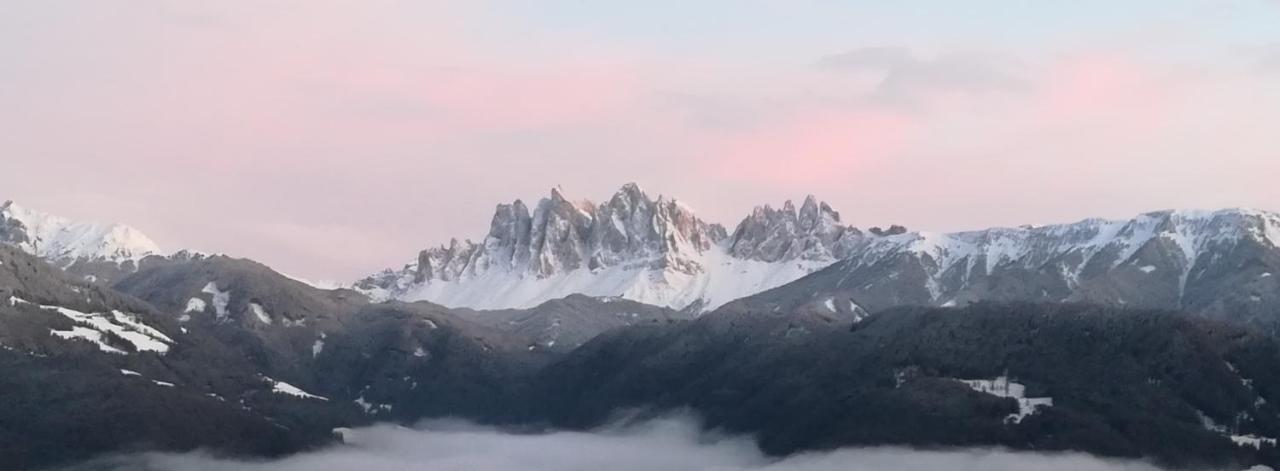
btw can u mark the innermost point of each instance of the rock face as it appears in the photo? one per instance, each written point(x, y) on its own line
point(777, 235)
point(1221, 264)
point(562, 236)
point(650, 250)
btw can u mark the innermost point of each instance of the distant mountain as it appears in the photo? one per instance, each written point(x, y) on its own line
point(655, 251)
point(87, 249)
point(1220, 264)
point(58, 239)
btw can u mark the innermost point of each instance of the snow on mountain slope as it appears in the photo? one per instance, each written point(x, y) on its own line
point(656, 251)
point(720, 279)
point(63, 241)
point(659, 252)
point(1217, 263)
point(1077, 248)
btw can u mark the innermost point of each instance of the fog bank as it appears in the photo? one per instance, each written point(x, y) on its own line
point(671, 444)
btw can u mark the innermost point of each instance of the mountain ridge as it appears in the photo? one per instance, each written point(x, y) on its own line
point(652, 250)
point(1217, 263)
point(589, 249)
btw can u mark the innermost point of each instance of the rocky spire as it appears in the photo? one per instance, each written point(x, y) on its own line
point(561, 235)
point(814, 232)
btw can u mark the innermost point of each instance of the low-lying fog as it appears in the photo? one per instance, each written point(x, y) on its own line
point(672, 444)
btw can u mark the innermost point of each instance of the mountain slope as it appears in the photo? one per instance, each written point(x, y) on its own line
point(564, 324)
point(1220, 264)
point(267, 364)
point(277, 378)
point(1189, 392)
point(89, 370)
point(655, 251)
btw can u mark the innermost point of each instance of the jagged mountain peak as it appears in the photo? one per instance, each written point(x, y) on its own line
point(631, 191)
point(562, 235)
point(814, 232)
point(655, 249)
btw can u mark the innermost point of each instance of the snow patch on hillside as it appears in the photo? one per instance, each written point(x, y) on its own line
point(260, 313)
point(317, 346)
point(1252, 441)
point(724, 279)
point(281, 387)
point(1002, 387)
point(195, 305)
point(94, 326)
point(90, 335)
point(371, 407)
point(220, 299)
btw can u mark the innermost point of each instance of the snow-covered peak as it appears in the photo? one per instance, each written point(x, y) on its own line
point(59, 239)
point(561, 235)
point(653, 249)
point(658, 251)
point(1171, 246)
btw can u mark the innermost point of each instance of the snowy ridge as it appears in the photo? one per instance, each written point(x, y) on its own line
point(64, 241)
point(1077, 248)
point(656, 251)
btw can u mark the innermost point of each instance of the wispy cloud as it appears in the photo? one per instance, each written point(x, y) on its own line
point(906, 75)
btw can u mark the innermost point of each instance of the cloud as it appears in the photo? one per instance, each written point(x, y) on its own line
point(907, 76)
point(671, 444)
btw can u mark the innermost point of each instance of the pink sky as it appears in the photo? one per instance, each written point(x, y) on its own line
point(332, 139)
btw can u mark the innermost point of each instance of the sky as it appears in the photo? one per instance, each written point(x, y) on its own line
point(671, 444)
point(331, 139)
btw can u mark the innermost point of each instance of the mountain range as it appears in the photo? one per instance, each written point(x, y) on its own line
point(657, 251)
point(651, 250)
point(1152, 337)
